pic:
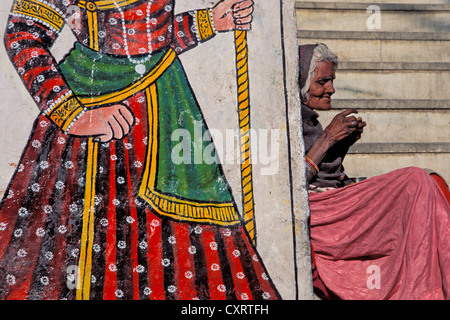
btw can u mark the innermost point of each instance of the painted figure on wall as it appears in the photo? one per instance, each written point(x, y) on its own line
point(96, 208)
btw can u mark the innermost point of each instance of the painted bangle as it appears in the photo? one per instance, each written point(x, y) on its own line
point(65, 111)
point(212, 20)
point(204, 25)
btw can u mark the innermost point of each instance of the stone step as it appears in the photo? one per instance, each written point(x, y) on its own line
point(399, 126)
point(369, 165)
point(372, 159)
point(384, 6)
point(369, 2)
point(386, 50)
point(392, 104)
point(361, 20)
point(393, 66)
point(373, 35)
point(392, 85)
point(400, 148)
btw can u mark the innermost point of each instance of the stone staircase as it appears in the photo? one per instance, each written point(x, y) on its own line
point(397, 76)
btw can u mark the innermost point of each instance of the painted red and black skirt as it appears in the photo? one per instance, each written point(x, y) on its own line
point(80, 219)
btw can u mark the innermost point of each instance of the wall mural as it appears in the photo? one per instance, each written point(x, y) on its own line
point(98, 208)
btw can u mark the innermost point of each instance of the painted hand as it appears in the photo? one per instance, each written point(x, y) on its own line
point(104, 124)
point(233, 15)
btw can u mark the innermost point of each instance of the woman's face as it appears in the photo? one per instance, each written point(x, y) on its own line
point(321, 88)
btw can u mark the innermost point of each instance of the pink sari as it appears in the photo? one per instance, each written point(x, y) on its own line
point(387, 237)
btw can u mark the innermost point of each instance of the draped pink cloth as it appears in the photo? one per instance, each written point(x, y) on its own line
point(387, 237)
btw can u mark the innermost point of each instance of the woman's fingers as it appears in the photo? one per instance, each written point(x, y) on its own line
point(348, 111)
point(352, 121)
point(361, 125)
point(343, 125)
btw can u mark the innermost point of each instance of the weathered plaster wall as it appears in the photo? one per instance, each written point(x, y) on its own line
point(278, 182)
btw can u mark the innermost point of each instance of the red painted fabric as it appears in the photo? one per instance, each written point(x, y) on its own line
point(137, 254)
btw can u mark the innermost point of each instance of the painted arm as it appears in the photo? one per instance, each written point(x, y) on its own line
point(32, 28)
point(194, 27)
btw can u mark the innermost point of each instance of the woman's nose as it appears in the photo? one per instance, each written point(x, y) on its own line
point(330, 88)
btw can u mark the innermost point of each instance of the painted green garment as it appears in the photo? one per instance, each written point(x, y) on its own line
point(91, 73)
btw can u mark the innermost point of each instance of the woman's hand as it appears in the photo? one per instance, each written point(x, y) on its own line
point(233, 14)
point(105, 123)
point(342, 126)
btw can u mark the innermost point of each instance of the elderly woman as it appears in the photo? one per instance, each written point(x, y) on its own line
point(386, 237)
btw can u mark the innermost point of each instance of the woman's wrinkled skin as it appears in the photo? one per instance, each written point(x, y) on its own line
point(343, 126)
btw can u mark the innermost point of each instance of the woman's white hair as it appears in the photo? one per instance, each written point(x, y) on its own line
point(321, 53)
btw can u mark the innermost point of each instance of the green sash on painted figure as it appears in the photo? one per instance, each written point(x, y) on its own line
point(186, 190)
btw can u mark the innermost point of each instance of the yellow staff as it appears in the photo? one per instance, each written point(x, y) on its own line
point(243, 96)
